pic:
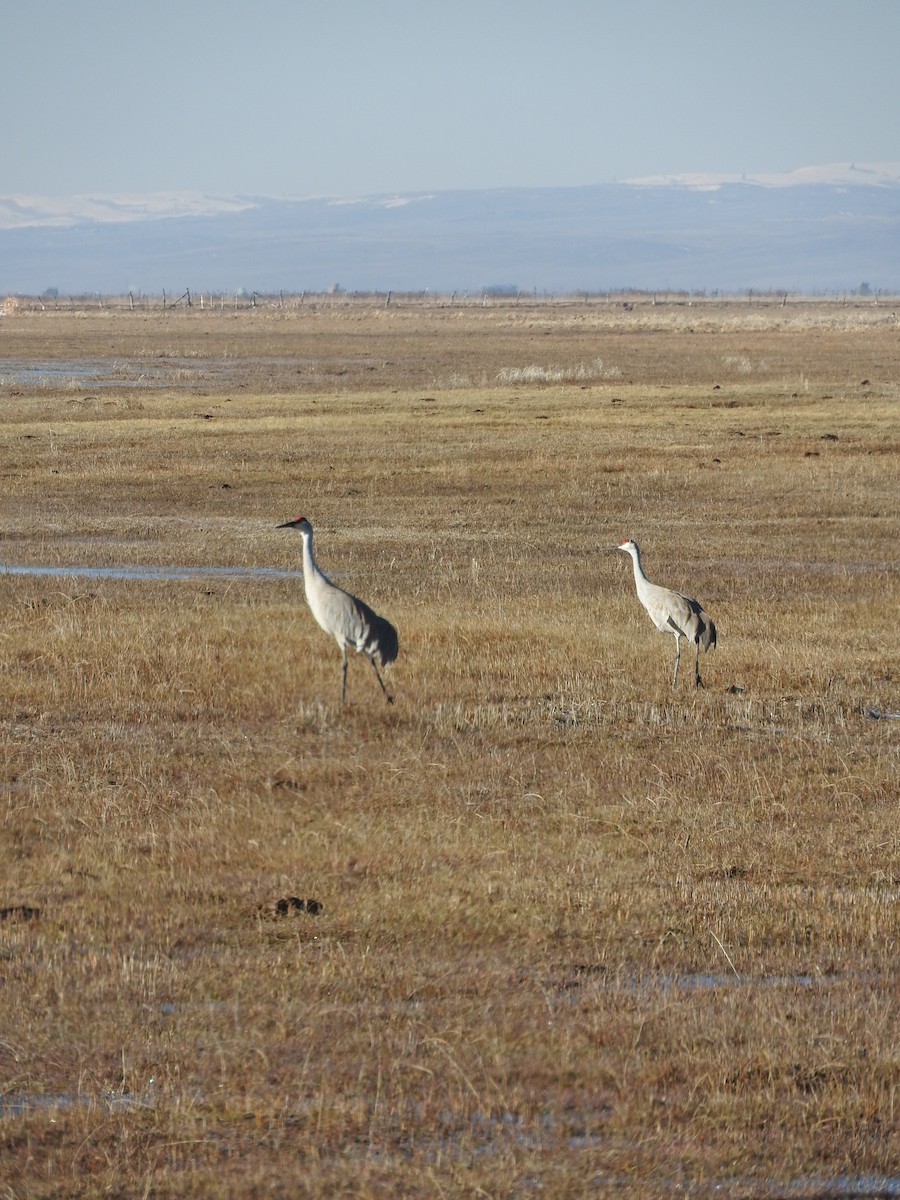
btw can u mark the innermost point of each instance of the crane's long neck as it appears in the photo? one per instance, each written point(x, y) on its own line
point(639, 577)
point(312, 574)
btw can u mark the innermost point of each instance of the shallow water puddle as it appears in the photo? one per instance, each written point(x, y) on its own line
point(162, 574)
point(95, 374)
point(491, 1134)
point(25, 1104)
point(702, 980)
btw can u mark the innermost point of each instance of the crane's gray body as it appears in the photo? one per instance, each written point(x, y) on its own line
point(672, 612)
point(349, 620)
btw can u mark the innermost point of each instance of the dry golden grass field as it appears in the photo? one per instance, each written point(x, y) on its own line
point(576, 933)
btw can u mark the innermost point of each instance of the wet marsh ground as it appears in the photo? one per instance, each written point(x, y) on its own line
point(574, 932)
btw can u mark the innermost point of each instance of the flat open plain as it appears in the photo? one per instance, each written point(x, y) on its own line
point(575, 933)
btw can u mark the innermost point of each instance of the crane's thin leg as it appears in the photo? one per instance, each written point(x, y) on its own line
point(677, 660)
point(343, 673)
point(698, 682)
point(387, 696)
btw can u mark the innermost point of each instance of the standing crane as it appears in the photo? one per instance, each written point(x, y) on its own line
point(671, 612)
point(349, 621)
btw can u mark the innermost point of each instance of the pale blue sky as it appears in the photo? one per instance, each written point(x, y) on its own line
point(350, 97)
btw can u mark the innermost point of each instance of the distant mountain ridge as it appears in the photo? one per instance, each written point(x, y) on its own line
point(818, 229)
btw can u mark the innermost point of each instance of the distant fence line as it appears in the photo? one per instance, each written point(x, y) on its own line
point(209, 301)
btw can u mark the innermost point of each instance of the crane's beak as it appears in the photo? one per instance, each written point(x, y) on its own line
point(287, 524)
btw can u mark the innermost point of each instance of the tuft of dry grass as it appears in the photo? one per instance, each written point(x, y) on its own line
point(574, 931)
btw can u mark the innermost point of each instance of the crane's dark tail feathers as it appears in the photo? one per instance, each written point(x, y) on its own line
point(381, 644)
point(706, 633)
point(704, 628)
point(381, 638)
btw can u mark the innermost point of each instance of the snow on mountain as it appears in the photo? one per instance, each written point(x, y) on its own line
point(836, 175)
point(26, 212)
point(23, 211)
point(20, 212)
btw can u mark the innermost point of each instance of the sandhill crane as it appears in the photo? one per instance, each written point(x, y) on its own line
point(671, 612)
point(349, 621)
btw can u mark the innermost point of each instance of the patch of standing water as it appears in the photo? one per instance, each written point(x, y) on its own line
point(494, 1133)
point(700, 981)
point(25, 1104)
point(150, 573)
point(99, 373)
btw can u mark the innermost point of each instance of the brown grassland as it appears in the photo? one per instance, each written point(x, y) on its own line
point(578, 933)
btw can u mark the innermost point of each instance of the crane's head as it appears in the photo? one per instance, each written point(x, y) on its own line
point(299, 523)
point(629, 546)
